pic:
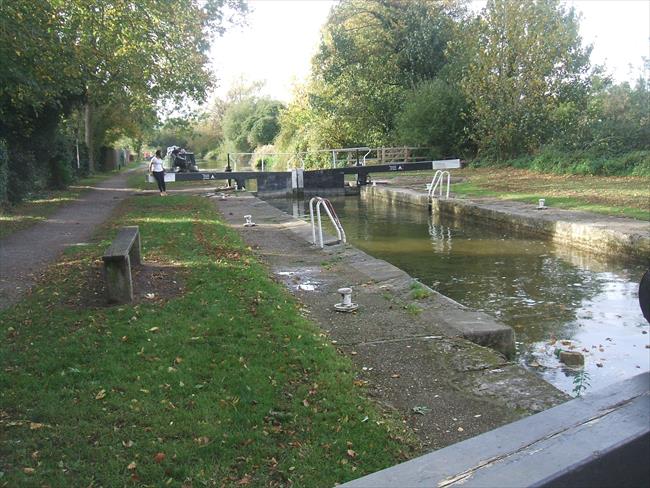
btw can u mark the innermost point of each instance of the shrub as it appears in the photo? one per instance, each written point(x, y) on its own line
point(432, 116)
point(551, 160)
point(4, 172)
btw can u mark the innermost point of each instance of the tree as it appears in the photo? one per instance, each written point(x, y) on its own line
point(143, 52)
point(433, 115)
point(251, 122)
point(520, 61)
point(371, 52)
point(121, 59)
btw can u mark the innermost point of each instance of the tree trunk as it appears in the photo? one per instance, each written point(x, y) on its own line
point(88, 126)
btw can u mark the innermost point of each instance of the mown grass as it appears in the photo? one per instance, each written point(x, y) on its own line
point(225, 384)
point(623, 196)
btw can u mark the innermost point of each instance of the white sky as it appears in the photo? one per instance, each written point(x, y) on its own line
point(282, 36)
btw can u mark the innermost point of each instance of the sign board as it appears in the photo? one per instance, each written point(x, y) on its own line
point(446, 164)
point(168, 177)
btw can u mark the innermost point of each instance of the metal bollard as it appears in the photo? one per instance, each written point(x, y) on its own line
point(346, 304)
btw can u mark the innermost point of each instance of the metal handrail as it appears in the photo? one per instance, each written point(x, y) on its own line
point(329, 209)
point(437, 180)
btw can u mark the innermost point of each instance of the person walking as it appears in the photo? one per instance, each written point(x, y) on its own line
point(157, 169)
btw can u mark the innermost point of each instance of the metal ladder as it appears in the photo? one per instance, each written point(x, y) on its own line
point(437, 180)
point(329, 209)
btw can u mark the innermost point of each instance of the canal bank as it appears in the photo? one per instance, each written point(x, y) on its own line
point(406, 340)
point(610, 237)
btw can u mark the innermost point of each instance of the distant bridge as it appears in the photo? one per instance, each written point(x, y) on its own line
point(308, 181)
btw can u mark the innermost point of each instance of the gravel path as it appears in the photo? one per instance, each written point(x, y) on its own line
point(25, 254)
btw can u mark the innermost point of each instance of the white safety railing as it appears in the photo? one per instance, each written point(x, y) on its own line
point(329, 209)
point(437, 182)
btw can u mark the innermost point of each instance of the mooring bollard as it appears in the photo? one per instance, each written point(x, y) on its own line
point(542, 204)
point(249, 222)
point(346, 304)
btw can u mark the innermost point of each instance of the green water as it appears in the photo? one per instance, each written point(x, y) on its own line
point(547, 293)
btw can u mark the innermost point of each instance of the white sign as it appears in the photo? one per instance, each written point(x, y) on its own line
point(168, 177)
point(446, 164)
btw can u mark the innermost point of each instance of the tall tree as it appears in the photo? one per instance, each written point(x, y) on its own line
point(520, 61)
point(371, 52)
point(143, 52)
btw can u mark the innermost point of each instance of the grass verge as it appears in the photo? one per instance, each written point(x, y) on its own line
point(222, 383)
point(622, 196)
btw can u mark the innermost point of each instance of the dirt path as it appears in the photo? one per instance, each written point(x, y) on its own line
point(25, 254)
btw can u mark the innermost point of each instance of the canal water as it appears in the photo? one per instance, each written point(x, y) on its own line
point(553, 297)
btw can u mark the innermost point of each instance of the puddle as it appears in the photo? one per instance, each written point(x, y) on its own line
point(300, 279)
point(306, 287)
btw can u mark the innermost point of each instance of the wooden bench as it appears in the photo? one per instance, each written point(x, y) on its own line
point(123, 252)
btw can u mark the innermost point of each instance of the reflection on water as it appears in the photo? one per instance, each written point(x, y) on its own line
point(546, 293)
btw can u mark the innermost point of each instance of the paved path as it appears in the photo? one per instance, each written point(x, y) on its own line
point(25, 254)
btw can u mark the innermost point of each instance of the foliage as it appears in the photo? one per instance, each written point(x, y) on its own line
point(265, 155)
point(60, 163)
point(433, 115)
point(593, 163)
point(251, 122)
point(522, 60)
point(581, 382)
point(371, 53)
point(614, 121)
point(117, 59)
point(4, 172)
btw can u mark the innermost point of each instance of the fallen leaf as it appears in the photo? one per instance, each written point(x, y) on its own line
point(351, 453)
point(460, 429)
point(421, 410)
point(154, 329)
point(101, 394)
point(159, 457)
point(35, 426)
point(202, 441)
point(28, 470)
point(244, 481)
point(128, 443)
point(305, 402)
point(396, 375)
point(132, 466)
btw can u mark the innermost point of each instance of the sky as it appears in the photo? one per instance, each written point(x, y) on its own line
point(282, 36)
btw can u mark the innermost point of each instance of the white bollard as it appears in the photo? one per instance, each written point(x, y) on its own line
point(249, 222)
point(541, 204)
point(346, 304)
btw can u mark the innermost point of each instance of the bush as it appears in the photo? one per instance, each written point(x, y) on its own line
point(4, 172)
point(22, 175)
point(549, 160)
point(264, 153)
point(432, 116)
point(60, 163)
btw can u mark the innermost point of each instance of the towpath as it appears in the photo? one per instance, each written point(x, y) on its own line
point(25, 254)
